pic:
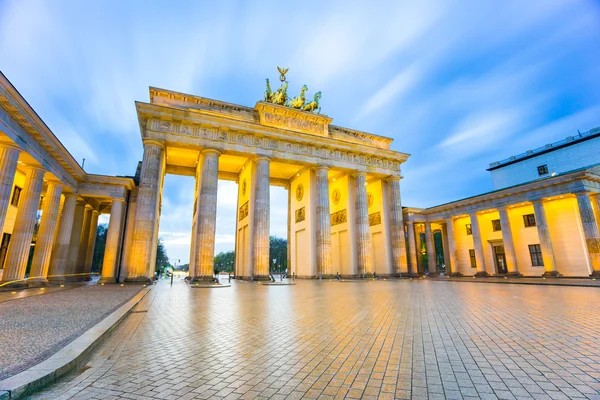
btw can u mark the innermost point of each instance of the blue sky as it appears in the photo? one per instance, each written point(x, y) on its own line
point(456, 84)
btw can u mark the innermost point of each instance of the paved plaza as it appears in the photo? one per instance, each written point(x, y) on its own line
point(385, 339)
point(33, 327)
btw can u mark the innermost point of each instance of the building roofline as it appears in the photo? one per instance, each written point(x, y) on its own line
point(568, 141)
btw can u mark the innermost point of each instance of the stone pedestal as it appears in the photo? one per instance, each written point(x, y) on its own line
point(398, 242)
point(146, 214)
point(206, 216)
point(363, 234)
point(9, 156)
point(479, 257)
point(509, 247)
point(111, 249)
point(590, 231)
point(431, 261)
point(20, 242)
point(545, 240)
point(60, 250)
point(45, 238)
point(323, 223)
point(261, 219)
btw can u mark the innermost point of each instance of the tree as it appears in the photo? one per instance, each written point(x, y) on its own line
point(225, 261)
point(161, 255)
point(278, 252)
point(99, 247)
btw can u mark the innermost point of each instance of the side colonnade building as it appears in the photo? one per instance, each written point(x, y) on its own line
point(542, 219)
point(38, 174)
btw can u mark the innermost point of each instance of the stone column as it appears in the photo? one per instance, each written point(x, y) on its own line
point(479, 256)
point(20, 242)
point(9, 156)
point(413, 268)
point(83, 241)
point(91, 244)
point(260, 266)
point(111, 249)
point(72, 256)
point(146, 214)
point(206, 216)
point(61, 248)
point(398, 242)
point(545, 241)
point(590, 231)
point(509, 246)
point(323, 223)
point(429, 242)
point(289, 232)
point(454, 269)
point(45, 238)
point(363, 233)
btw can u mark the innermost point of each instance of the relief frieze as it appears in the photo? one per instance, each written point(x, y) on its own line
point(339, 217)
point(375, 219)
point(243, 211)
point(300, 214)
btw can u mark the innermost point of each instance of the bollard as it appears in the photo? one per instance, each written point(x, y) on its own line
point(172, 274)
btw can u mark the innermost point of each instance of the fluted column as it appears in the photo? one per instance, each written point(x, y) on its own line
point(453, 261)
point(323, 223)
point(9, 156)
point(206, 215)
point(413, 268)
point(111, 249)
point(45, 237)
point(364, 245)
point(74, 242)
point(430, 244)
point(478, 245)
point(590, 231)
point(509, 246)
point(20, 242)
point(545, 240)
point(83, 241)
point(146, 213)
point(261, 219)
point(60, 252)
point(91, 244)
point(398, 242)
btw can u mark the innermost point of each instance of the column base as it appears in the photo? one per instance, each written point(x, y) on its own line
point(515, 274)
point(139, 280)
point(433, 274)
point(595, 274)
point(261, 278)
point(552, 274)
point(56, 280)
point(15, 285)
point(202, 279)
point(456, 275)
point(107, 280)
point(412, 275)
point(482, 274)
point(37, 282)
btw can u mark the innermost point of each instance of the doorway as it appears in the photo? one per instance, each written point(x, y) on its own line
point(500, 259)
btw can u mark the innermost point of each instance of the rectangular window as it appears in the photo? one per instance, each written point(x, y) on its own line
point(473, 259)
point(4, 248)
point(529, 220)
point(469, 230)
point(496, 225)
point(16, 196)
point(543, 169)
point(535, 251)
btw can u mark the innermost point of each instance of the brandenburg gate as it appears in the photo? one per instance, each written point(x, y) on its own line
point(344, 208)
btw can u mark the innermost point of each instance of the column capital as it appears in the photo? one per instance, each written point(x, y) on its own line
point(262, 158)
point(94, 211)
point(34, 167)
point(393, 178)
point(69, 195)
point(118, 199)
point(11, 145)
point(409, 222)
point(88, 207)
point(320, 167)
point(358, 173)
point(155, 142)
point(208, 151)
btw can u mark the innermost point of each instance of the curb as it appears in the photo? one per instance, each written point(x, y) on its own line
point(67, 358)
point(516, 281)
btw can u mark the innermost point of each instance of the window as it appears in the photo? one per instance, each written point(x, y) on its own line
point(469, 230)
point(543, 169)
point(4, 248)
point(473, 259)
point(16, 196)
point(535, 251)
point(496, 225)
point(529, 220)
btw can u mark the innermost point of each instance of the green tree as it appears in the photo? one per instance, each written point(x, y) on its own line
point(99, 247)
point(225, 261)
point(161, 256)
point(278, 252)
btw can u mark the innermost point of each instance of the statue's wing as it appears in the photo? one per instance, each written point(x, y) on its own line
point(285, 71)
point(280, 70)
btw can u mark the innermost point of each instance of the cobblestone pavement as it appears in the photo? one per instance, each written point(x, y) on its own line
point(377, 339)
point(34, 328)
